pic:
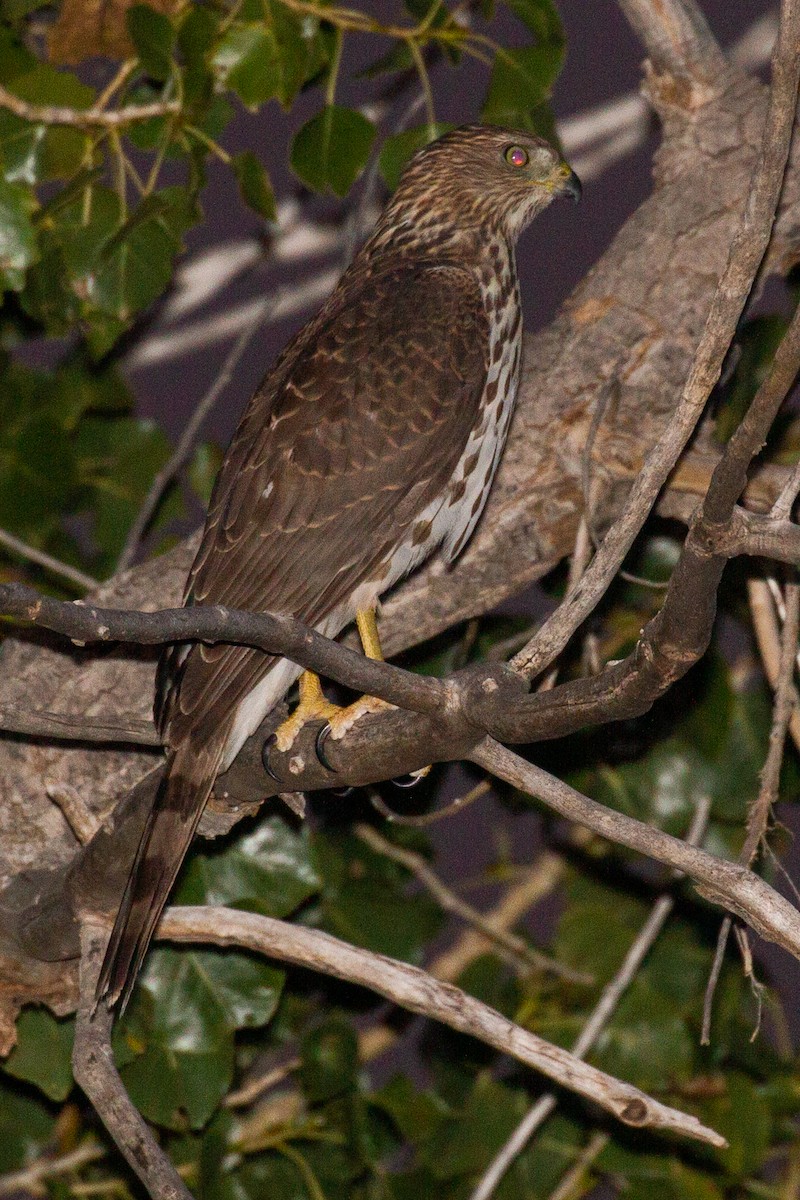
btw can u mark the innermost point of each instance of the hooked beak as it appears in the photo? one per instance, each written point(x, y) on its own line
point(569, 184)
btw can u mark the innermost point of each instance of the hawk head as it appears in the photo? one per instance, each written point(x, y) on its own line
point(482, 175)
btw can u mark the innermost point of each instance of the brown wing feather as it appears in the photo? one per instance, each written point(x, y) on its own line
point(359, 427)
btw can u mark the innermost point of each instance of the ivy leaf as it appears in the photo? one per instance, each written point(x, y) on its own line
point(254, 184)
point(248, 61)
point(175, 1044)
point(398, 149)
point(43, 1053)
point(541, 17)
point(17, 236)
point(331, 149)
point(268, 870)
point(154, 38)
point(521, 81)
point(329, 1060)
point(26, 1127)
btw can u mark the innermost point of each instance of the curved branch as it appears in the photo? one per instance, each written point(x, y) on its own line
point(418, 992)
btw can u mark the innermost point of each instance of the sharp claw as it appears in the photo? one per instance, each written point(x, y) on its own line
point(342, 792)
point(266, 750)
point(411, 780)
point(319, 747)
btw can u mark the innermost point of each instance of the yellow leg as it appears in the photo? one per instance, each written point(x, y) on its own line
point(314, 705)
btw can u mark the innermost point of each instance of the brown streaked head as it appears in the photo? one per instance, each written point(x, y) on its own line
point(482, 175)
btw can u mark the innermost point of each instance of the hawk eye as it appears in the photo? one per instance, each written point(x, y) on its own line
point(516, 156)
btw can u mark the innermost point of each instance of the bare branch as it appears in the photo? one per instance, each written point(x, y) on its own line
point(417, 991)
point(85, 118)
point(725, 883)
point(93, 1066)
point(29, 1179)
point(761, 809)
point(64, 727)
point(768, 638)
point(273, 633)
point(514, 948)
point(53, 565)
point(677, 38)
point(601, 1014)
point(746, 252)
point(183, 450)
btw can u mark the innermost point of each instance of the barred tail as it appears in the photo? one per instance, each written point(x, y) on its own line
point(167, 835)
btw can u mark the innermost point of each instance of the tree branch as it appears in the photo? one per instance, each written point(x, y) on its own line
point(677, 38)
point(600, 1016)
point(85, 118)
point(93, 1066)
point(415, 990)
point(722, 882)
point(746, 252)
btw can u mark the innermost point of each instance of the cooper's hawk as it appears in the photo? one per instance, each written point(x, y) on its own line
point(372, 442)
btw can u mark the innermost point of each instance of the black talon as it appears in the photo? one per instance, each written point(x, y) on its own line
point(319, 747)
point(342, 792)
point(409, 781)
point(266, 750)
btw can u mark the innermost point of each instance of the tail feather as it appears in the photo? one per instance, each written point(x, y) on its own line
point(167, 835)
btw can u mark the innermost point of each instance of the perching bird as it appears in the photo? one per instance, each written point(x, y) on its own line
point(370, 444)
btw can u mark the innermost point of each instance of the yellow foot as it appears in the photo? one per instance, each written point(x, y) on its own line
point(313, 706)
point(343, 720)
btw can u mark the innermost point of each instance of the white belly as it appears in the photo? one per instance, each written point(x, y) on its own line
point(453, 518)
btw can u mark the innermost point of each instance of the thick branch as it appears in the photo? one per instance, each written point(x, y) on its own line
point(746, 252)
point(417, 991)
point(676, 37)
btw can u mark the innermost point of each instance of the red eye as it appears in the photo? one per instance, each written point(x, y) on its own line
point(516, 156)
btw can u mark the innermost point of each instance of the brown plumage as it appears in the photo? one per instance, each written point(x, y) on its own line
point(371, 442)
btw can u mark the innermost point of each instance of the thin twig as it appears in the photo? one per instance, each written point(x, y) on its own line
point(569, 1186)
point(53, 565)
point(85, 118)
point(522, 956)
point(782, 508)
point(183, 450)
point(422, 820)
point(761, 809)
point(417, 991)
point(768, 638)
point(31, 1177)
point(601, 1014)
point(746, 252)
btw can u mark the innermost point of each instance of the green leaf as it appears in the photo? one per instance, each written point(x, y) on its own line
point(254, 184)
point(467, 1142)
point(303, 48)
point(331, 149)
point(364, 900)
point(43, 1052)
point(268, 870)
point(175, 1043)
point(154, 38)
point(741, 1116)
point(17, 237)
point(541, 17)
point(398, 149)
point(247, 60)
point(203, 470)
point(26, 1128)
point(521, 81)
point(329, 1056)
point(417, 1114)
